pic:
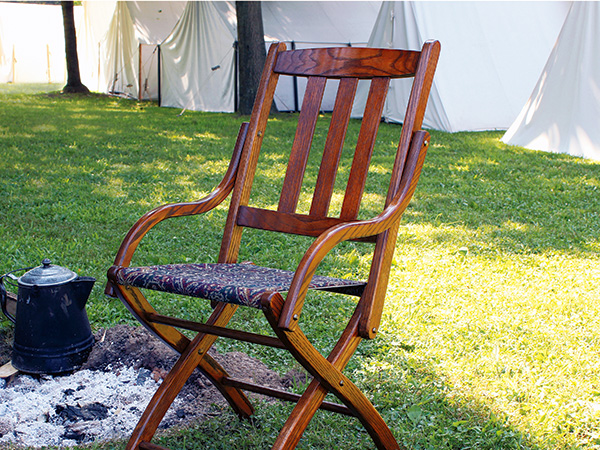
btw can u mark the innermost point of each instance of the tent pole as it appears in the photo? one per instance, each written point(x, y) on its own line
point(48, 61)
point(99, 62)
point(295, 85)
point(140, 73)
point(159, 78)
point(14, 60)
point(235, 77)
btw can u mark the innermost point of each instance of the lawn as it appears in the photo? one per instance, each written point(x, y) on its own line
point(490, 336)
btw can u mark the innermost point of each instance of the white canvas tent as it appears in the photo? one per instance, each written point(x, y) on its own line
point(26, 54)
point(119, 50)
point(3, 56)
point(91, 29)
point(492, 53)
point(198, 58)
point(563, 113)
point(324, 24)
point(192, 48)
point(118, 43)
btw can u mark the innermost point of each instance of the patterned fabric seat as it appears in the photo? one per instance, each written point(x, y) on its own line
point(242, 284)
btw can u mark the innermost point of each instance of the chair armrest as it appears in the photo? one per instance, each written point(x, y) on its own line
point(157, 215)
point(382, 223)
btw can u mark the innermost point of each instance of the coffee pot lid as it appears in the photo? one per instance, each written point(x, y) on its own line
point(47, 274)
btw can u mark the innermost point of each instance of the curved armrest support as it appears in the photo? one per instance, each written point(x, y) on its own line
point(152, 218)
point(353, 230)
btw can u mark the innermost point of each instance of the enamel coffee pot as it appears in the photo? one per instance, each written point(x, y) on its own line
point(52, 330)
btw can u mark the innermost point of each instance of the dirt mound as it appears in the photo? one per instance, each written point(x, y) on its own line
point(128, 346)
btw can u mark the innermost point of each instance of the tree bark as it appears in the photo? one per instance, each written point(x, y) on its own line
point(74, 84)
point(251, 52)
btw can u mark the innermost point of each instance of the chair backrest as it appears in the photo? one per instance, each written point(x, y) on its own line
point(348, 65)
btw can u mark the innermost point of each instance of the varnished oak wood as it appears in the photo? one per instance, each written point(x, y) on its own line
point(307, 122)
point(343, 62)
point(291, 223)
point(141, 309)
point(340, 118)
point(328, 378)
point(152, 218)
point(243, 185)
point(284, 395)
point(238, 335)
point(284, 314)
point(364, 148)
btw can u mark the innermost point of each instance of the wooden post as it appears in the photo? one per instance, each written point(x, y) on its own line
point(14, 66)
point(48, 60)
point(99, 62)
point(236, 82)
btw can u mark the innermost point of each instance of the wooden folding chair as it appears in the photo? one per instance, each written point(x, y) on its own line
point(229, 284)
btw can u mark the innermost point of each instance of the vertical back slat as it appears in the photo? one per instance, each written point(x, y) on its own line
point(364, 147)
point(333, 147)
point(302, 142)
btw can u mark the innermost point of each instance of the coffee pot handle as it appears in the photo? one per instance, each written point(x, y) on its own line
point(4, 298)
point(4, 293)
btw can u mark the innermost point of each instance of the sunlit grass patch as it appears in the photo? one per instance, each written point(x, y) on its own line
point(508, 331)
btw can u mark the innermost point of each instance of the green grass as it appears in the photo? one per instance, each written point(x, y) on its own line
point(490, 332)
point(29, 88)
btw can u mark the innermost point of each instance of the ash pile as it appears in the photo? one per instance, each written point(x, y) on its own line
point(104, 400)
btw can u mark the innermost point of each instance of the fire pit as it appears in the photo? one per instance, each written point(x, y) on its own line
point(104, 399)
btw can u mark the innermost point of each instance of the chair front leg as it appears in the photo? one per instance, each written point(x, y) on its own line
point(192, 355)
point(301, 415)
point(141, 309)
point(328, 378)
point(167, 391)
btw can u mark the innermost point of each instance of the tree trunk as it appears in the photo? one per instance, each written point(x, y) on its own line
point(74, 84)
point(251, 51)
